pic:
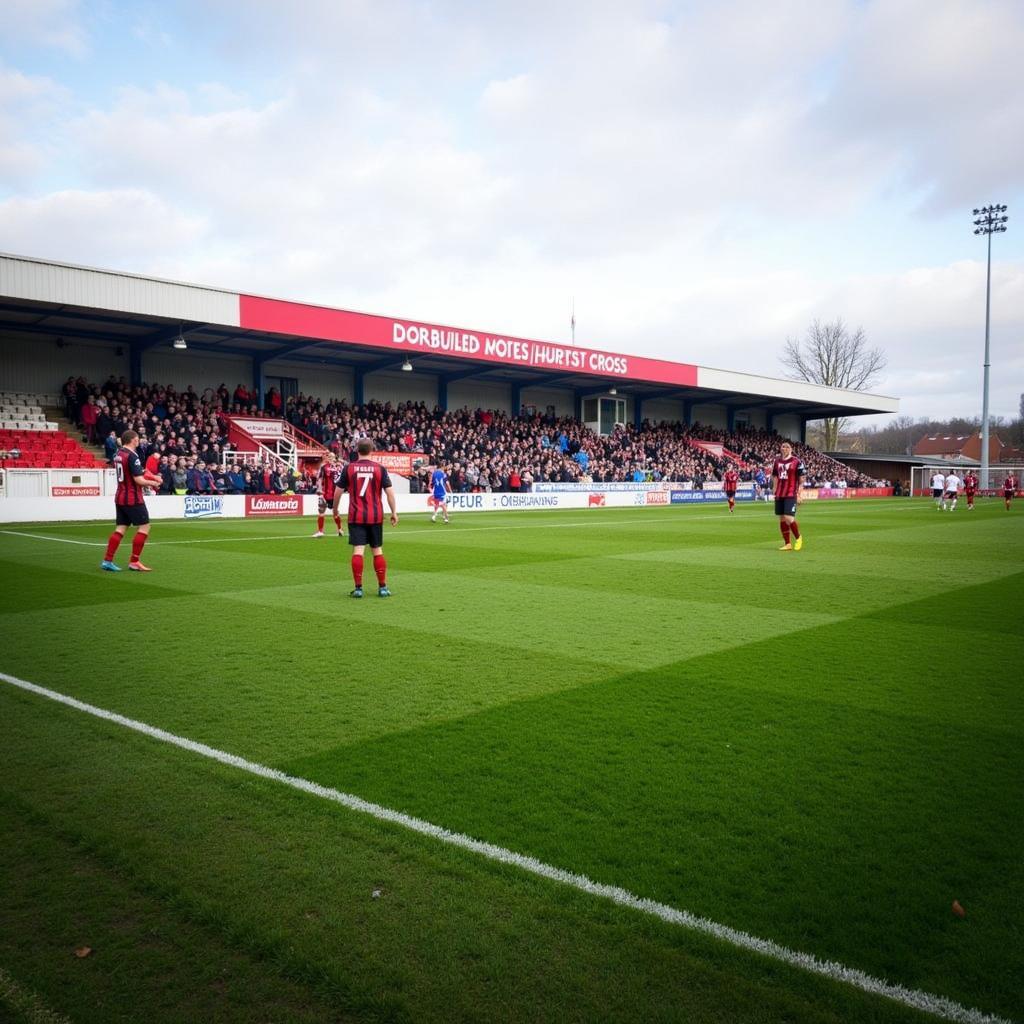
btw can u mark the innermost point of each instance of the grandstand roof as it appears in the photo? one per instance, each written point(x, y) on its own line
point(48, 300)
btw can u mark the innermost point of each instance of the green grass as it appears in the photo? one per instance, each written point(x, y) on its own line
point(821, 748)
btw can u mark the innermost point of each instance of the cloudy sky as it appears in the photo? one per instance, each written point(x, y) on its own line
point(703, 177)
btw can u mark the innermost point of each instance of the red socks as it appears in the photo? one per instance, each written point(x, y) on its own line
point(380, 567)
point(357, 570)
point(138, 543)
point(795, 530)
point(784, 527)
point(337, 522)
point(320, 524)
point(732, 504)
point(113, 544)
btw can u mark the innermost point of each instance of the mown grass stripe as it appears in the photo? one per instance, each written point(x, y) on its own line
point(916, 999)
point(26, 1003)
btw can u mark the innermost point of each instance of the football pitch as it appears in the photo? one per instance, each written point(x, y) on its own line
point(604, 757)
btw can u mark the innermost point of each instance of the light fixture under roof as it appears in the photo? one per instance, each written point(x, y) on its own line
point(180, 342)
point(613, 391)
point(407, 366)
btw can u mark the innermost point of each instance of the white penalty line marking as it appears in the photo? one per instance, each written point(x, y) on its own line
point(937, 1005)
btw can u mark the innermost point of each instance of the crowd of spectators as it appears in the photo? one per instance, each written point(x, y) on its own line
point(482, 449)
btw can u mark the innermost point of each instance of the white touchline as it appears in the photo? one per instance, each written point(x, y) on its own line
point(938, 1005)
point(59, 540)
point(645, 520)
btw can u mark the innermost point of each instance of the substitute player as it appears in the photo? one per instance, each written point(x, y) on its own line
point(440, 488)
point(970, 489)
point(325, 488)
point(951, 492)
point(366, 481)
point(730, 482)
point(1009, 490)
point(787, 483)
point(129, 504)
point(938, 488)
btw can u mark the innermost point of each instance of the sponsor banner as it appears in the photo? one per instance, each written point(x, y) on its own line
point(615, 485)
point(809, 494)
point(596, 501)
point(408, 337)
point(698, 497)
point(397, 462)
point(273, 504)
point(832, 492)
point(657, 498)
point(74, 492)
point(259, 427)
point(872, 492)
point(198, 506)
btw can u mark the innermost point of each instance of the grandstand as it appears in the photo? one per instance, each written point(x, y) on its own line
point(58, 320)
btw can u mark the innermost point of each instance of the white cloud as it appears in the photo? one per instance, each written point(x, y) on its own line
point(122, 229)
point(53, 23)
point(688, 172)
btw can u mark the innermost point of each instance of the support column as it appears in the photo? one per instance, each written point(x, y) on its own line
point(516, 398)
point(442, 393)
point(730, 418)
point(687, 412)
point(134, 365)
point(638, 411)
point(258, 381)
point(358, 390)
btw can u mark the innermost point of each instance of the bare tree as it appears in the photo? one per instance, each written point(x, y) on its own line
point(830, 354)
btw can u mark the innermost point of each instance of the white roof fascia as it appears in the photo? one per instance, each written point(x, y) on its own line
point(23, 277)
point(795, 390)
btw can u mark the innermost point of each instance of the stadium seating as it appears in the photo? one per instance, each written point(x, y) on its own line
point(45, 449)
point(24, 427)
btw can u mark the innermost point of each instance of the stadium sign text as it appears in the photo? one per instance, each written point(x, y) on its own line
point(74, 492)
point(273, 505)
point(366, 329)
point(198, 506)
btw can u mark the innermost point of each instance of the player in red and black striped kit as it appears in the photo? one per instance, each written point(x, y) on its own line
point(970, 489)
point(1009, 490)
point(325, 487)
point(367, 483)
point(787, 482)
point(129, 503)
point(730, 482)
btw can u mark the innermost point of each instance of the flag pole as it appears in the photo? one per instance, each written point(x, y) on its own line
point(572, 321)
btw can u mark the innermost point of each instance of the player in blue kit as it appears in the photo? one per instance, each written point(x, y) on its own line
point(440, 488)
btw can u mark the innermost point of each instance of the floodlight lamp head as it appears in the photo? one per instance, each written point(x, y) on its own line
point(407, 366)
point(613, 391)
point(180, 343)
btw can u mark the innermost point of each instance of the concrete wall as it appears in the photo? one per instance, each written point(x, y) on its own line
point(41, 366)
point(710, 415)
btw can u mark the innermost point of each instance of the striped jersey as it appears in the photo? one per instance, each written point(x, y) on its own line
point(325, 480)
point(127, 467)
point(787, 473)
point(365, 482)
point(731, 481)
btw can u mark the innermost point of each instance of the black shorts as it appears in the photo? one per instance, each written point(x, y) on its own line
point(785, 506)
point(936, 492)
point(730, 494)
point(132, 515)
point(369, 535)
point(1009, 494)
